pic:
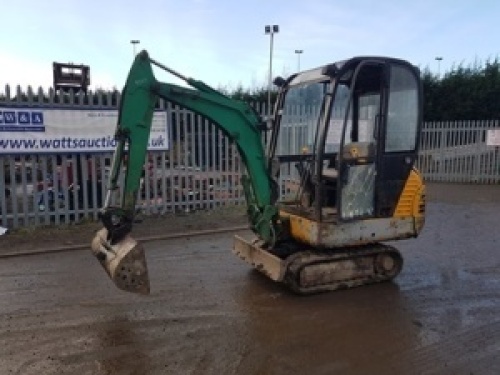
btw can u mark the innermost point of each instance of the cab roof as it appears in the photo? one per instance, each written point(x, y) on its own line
point(329, 71)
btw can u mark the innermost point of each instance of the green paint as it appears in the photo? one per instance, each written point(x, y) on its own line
point(236, 119)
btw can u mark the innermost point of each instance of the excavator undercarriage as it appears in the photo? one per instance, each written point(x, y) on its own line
point(307, 270)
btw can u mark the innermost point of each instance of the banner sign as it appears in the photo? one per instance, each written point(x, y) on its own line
point(44, 130)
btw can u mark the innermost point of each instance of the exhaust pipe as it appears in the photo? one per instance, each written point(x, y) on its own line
point(124, 262)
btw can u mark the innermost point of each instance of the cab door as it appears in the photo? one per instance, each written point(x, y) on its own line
point(360, 148)
point(398, 136)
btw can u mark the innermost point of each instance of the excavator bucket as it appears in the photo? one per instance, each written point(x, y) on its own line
point(124, 262)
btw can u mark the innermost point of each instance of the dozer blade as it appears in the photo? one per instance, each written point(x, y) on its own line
point(124, 262)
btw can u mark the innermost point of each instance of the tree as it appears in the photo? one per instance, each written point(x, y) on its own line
point(464, 93)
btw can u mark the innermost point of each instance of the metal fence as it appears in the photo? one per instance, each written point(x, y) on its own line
point(200, 170)
point(457, 151)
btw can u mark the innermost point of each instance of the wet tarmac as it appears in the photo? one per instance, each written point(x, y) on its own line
point(210, 314)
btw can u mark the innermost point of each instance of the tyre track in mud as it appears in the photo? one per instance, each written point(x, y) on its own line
point(142, 239)
point(470, 351)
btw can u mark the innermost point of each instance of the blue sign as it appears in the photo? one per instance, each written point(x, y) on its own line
point(9, 117)
point(21, 121)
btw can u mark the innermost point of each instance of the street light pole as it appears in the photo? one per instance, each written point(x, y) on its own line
point(298, 52)
point(439, 59)
point(271, 30)
point(134, 42)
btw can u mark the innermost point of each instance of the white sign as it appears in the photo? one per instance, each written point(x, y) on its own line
point(40, 130)
point(493, 137)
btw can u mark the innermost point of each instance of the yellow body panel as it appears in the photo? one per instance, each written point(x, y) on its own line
point(412, 200)
point(353, 233)
point(301, 228)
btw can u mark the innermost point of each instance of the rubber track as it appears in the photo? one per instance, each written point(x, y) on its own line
point(297, 262)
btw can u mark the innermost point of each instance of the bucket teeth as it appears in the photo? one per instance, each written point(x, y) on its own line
point(124, 262)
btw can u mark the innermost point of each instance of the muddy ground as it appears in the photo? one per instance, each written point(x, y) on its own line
point(210, 314)
point(74, 235)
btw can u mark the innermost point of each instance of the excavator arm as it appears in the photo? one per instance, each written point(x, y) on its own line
point(121, 256)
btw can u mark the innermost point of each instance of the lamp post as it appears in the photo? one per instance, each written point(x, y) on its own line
point(298, 52)
point(439, 59)
point(134, 42)
point(271, 30)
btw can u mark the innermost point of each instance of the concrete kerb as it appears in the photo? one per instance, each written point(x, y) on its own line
point(22, 253)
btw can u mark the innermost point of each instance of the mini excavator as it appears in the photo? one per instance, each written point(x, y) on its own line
point(352, 146)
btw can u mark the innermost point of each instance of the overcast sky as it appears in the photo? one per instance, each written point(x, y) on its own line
point(223, 43)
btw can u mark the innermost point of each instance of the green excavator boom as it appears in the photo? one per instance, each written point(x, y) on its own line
point(113, 246)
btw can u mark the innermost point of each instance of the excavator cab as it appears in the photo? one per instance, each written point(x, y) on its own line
point(347, 135)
